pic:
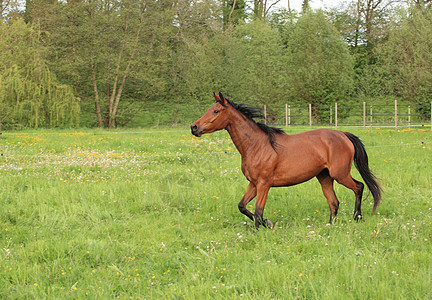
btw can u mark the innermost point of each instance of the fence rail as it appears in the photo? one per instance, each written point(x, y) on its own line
point(361, 115)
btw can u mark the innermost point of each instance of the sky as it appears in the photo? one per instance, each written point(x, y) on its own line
point(296, 4)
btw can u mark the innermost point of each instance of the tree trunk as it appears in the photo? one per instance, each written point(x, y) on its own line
point(96, 97)
point(92, 67)
point(116, 92)
point(231, 12)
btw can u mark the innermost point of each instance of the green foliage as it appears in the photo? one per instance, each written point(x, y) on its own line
point(233, 15)
point(305, 6)
point(142, 63)
point(319, 65)
point(246, 63)
point(255, 63)
point(115, 54)
point(405, 60)
point(194, 57)
point(153, 214)
point(30, 94)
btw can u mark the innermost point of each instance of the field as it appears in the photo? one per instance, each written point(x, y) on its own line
point(153, 214)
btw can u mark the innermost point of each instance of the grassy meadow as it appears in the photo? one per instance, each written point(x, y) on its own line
point(153, 213)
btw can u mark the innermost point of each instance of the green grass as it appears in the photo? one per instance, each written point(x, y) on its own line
point(153, 214)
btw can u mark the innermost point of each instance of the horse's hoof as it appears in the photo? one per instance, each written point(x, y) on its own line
point(269, 224)
point(358, 218)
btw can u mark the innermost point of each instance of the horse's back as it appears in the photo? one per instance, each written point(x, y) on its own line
point(317, 138)
point(303, 156)
point(333, 140)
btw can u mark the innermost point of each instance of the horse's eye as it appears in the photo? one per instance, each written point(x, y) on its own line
point(216, 111)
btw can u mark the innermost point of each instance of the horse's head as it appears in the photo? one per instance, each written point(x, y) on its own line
point(216, 117)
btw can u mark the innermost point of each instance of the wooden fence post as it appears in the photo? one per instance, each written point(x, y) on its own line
point(265, 114)
point(396, 116)
point(310, 114)
point(364, 115)
point(409, 116)
point(336, 115)
point(286, 115)
point(331, 115)
point(371, 110)
point(289, 115)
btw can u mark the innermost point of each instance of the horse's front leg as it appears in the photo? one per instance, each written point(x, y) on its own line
point(262, 192)
point(251, 192)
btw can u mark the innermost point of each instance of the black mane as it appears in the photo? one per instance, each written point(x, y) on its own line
point(253, 112)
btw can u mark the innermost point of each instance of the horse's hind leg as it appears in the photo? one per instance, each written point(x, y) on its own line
point(327, 187)
point(357, 188)
point(357, 208)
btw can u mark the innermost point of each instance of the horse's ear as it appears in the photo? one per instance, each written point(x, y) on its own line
point(217, 98)
point(224, 101)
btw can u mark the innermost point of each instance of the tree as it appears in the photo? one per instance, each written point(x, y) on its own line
point(363, 23)
point(234, 11)
point(253, 70)
point(8, 6)
point(114, 53)
point(245, 63)
point(305, 6)
point(261, 8)
point(405, 60)
point(319, 65)
point(422, 3)
point(30, 94)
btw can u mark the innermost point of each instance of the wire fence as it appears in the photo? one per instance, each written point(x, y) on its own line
point(362, 115)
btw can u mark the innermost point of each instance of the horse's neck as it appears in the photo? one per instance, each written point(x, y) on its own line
point(245, 134)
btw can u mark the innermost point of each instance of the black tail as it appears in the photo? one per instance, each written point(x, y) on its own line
point(362, 165)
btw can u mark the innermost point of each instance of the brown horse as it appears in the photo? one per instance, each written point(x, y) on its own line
point(271, 158)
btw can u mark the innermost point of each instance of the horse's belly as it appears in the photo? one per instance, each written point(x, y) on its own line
point(293, 176)
point(290, 181)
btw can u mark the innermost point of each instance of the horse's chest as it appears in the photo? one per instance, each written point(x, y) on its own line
point(246, 172)
point(253, 172)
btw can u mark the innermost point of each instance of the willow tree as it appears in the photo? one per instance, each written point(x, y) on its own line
point(30, 94)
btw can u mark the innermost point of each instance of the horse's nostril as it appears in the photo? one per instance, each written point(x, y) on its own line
point(194, 128)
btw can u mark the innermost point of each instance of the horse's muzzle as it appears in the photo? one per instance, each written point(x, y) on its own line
point(195, 130)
